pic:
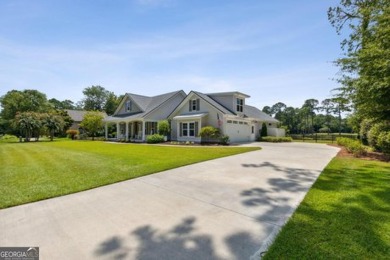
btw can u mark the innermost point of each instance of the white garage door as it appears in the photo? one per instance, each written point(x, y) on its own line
point(238, 131)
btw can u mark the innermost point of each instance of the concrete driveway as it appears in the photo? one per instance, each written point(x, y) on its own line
point(228, 208)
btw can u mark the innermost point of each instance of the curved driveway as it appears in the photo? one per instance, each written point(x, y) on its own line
point(228, 208)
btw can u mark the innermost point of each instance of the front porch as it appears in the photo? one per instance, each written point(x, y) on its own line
point(132, 131)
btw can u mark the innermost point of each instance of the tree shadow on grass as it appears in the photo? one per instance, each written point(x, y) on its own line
point(344, 216)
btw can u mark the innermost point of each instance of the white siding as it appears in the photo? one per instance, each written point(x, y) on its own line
point(134, 107)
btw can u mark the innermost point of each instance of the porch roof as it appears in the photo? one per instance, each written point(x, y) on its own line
point(128, 118)
point(190, 116)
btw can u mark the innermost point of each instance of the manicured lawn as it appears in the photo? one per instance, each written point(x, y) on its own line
point(345, 215)
point(35, 171)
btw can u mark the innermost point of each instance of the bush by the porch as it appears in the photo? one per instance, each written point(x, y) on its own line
point(154, 139)
point(209, 133)
point(163, 128)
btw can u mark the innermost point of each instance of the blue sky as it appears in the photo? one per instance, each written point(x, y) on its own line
point(274, 51)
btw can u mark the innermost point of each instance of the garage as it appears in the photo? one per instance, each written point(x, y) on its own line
point(239, 131)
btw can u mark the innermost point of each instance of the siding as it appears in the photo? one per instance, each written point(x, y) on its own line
point(134, 108)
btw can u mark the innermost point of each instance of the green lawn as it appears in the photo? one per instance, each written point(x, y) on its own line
point(35, 171)
point(345, 215)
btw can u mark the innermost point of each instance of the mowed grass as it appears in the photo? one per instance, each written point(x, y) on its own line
point(35, 171)
point(345, 215)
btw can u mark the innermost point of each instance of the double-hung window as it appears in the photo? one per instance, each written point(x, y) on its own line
point(240, 104)
point(194, 105)
point(128, 105)
point(188, 129)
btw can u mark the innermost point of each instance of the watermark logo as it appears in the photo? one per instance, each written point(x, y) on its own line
point(19, 253)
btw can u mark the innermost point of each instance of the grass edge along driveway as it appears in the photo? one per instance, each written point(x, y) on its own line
point(345, 215)
point(35, 171)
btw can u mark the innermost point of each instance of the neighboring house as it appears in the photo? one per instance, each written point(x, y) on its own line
point(77, 116)
point(227, 111)
point(137, 116)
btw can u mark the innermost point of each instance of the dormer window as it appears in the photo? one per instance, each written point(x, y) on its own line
point(128, 105)
point(240, 105)
point(194, 105)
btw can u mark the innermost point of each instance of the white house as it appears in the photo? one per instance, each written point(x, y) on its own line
point(227, 111)
point(137, 116)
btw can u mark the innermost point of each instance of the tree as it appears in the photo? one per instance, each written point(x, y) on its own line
point(111, 104)
point(95, 98)
point(27, 123)
point(365, 67)
point(15, 101)
point(277, 109)
point(309, 106)
point(267, 110)
point(92, 122)
point(66, 104)
point(54, 123)
point(340, 105)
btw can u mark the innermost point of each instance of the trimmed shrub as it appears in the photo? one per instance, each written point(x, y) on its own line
point(224, 140)
point(154, 139)
point(72, 133)
point(9, 138)
point(374, 133)
point(383, 142)
point(274, 139)
point(163, 127)
point(209, 132)
point(83, 136)
point(263, 131)
point(352, 146)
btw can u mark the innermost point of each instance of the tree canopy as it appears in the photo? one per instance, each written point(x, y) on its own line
point(92, 122)
point(365, 66)
point(28, 100)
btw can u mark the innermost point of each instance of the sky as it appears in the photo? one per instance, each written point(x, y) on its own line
point(274, 51)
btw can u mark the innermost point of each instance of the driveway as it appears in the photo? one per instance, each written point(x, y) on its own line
point(228, 208)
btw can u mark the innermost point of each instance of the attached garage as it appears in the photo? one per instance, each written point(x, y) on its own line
point(239, 131)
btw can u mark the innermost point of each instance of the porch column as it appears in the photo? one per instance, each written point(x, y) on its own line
point(127, 132)
point(143, 130)
point(106, 130)
point(117, 130)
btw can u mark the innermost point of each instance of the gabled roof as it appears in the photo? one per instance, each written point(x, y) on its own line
point(214, 103)
point(253, 112)
point(146, 104)
point(78, 115)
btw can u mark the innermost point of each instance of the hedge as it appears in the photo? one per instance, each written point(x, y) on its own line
point(274, 139)
point(352, 146)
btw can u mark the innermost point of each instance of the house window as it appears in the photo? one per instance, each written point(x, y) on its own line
point(240, 104)
point(128, 105)
point(188, 129)
point(150, 128)
point(253, 129)
point(194, 105)
point(229, 121)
